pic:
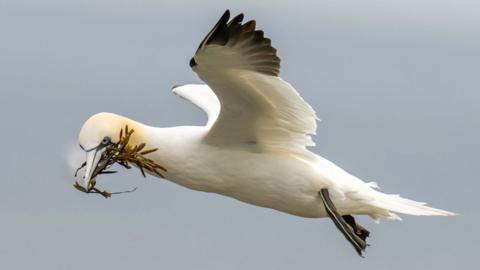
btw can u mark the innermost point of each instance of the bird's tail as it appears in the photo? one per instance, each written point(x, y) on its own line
point(388, 203)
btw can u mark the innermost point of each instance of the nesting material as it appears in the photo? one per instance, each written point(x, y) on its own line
point(125, 155)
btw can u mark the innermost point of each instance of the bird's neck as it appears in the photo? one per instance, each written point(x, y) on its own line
point(183, 153)
point(176, 145)
point(139, 132)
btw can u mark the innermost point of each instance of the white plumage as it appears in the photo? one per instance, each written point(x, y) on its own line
point(278, 119)
point(202, 96)
point(280, 150)
point(254, 145)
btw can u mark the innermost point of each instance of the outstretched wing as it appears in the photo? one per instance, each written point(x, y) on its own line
point(241, 67)
point(202, 96)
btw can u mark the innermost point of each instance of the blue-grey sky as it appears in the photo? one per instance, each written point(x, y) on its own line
point(396, 84)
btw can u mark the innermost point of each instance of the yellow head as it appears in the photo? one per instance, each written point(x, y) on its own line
point(98, 132)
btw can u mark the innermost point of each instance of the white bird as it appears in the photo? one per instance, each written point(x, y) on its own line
point(254, 145)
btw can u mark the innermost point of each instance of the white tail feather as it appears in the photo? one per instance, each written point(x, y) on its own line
point(395, 203)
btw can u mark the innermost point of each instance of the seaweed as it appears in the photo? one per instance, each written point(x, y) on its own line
point(124, 154)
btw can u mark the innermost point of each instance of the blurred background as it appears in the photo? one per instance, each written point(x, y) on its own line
point(395, 83)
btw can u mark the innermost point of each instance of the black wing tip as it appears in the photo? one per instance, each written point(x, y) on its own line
point(232, 31)
point(236, 20)
point(192, 62)
point(225, 17)
point(219, 33)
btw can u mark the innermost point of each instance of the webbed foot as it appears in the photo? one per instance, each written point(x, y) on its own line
point(354, 233)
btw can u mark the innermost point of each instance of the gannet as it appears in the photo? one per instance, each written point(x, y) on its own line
point(254, 145)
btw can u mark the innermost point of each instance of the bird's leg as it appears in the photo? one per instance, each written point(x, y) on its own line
point(357, 229)
point(350, 232)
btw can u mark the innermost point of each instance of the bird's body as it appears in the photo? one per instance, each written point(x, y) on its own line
point(282, 181)
point(254, 145)
point(285, 181)
point(279, 180)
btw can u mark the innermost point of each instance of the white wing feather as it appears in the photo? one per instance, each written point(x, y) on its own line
point(202, 96)
point(257, 106)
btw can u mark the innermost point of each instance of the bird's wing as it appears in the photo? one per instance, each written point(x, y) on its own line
point(241, 67)
point(202, 96)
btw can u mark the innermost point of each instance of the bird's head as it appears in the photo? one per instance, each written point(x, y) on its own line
point(96, 134)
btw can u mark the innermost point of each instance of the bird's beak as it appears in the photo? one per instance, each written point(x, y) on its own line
point(93, 157)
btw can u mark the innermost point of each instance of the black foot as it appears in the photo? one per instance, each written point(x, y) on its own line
point(354, 233)
point(357, 229)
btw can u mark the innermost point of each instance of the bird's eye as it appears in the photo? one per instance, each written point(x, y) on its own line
point(106, 141)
